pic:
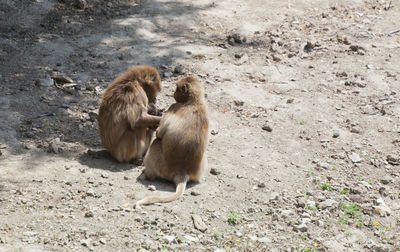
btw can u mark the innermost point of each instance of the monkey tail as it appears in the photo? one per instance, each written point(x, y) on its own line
point(180, 189)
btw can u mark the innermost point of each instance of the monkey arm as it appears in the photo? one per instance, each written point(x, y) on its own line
point(147, 120)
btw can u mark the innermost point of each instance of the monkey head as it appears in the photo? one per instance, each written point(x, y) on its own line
point(188, 89)
point(150, 81)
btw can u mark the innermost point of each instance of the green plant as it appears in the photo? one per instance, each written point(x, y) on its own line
point(233, 217)
point(302, 122)
point(326, 187)
point(312, 207)
point(351, 212)
point(345, 191)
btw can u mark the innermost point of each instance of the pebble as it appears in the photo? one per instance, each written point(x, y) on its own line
point(198, 223)
point(335, 135)
point(301, 227)
point(168, 238)
point(214, 171)
point(179, 69)
point(151, 188)
point(103, 241)
point(393, 160)
point(238, 102)
point(267, 128)
point(104, 175)
point(355, 158)
point(60, 78)
point(261, 185)
point(286, 214)
point(167, 74)
point(274, 196)
point(327, 204)
point(89, 214)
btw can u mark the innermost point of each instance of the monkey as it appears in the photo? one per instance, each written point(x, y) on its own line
point(178, 153)
point(126, 128)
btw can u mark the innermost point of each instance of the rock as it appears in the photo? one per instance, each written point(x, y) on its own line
point(194, 193)
point(168, 238)
point(243, 59)
point(267, 128)
point(80, 4)
point(300, 228)
point(335, 135)
point(286, 214)
point(386, 180)
point(393, 160)
point(103, 241)
point(60, 78)
point(355, 158)
point(274, 196)
point(89, 214)
point(214, 171)
point(261, 185)
point(214, 132)
point(290, 100)
point(46, 82)
point(104, 175)
point(381, 208)
point(327, 204)
point(93, 115)
point(356, 198)
point(55, 146)
point(167, 74)
point(179, 69)
point(309, 47)
point(190, 238)
point(355, 130)
point(198, 223)
point(381, 248)
point(219, 250)
point(151, 188)
point(85, 242)
point(300, 202)
point(238, 102)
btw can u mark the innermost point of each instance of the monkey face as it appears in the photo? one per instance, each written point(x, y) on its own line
point(151, 83)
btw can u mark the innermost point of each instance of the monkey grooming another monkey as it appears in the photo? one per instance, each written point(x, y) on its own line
point(125, 126)
point(178, 153)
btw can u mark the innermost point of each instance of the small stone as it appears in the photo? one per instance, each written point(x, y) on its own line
point(267, 128)
point(393, 160)
point(151, 187)
point(286, 214)
point(103, 241)
point(355, 158)
point(309, 47)
point(168, 238)
point(214, 171)
point(179, 69)
point(276, 58)
point(190, 238)
point(261, 185)
point(214, 132)
point(168, 74)
point(335, 135)
point(327, 204)
point(104, 175)
point(89, 214)
point(355, 130)
point(60, 78)
point(290, 100)
point(300, 202)
point(301, 227)
point(46, 82)
point(199, 223)
point(85, 242)
point(126, 178)
point(91, 192)
point(381, 208)
point(194, 193)
point(274, 196)
point(55, 146)
point(238, 102)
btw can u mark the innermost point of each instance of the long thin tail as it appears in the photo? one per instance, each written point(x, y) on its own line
point(180, 189)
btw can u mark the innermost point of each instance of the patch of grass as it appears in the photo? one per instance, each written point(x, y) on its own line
point(312, 208)
point(303, 237)
point(233, 217)
point(351, 212)
point(344, 191)
point(349, 233)
point(326, 187)
point(302, 122)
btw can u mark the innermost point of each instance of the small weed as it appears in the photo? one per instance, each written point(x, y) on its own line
point(334, 168)
point(351, 211)
point(326, 187)
point(344, 191)
point(303, 237)
point(349, 233)
point(302, 122)
point(312, 208)
point(370, 182)
point(233, 217)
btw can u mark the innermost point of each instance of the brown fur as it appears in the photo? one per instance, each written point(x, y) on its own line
point(178, 153)
point(125, 126)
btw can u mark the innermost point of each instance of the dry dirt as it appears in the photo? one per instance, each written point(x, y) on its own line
point(305, 125)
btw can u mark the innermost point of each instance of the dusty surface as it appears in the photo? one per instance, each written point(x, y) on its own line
point(304, 143)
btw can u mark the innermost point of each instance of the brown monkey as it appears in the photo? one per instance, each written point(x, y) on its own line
point(178, 153)
point(125, 126)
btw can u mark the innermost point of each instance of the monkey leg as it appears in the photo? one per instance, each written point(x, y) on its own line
point(199, 173)
point(155, 164)
point(132, 145)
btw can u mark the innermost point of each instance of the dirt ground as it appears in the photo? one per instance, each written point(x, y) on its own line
point(304, 147)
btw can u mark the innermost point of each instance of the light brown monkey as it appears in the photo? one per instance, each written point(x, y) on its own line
point(178, 153)
point(125, 126)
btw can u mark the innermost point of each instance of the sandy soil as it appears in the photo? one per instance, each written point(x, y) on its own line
point(305, 125)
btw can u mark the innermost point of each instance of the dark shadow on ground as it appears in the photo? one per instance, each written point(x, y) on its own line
point(91, 45)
